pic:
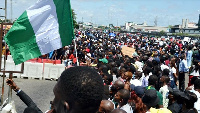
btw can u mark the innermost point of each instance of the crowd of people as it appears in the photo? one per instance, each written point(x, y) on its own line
point(100, 78)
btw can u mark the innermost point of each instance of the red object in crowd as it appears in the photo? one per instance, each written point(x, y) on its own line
point(167, 62)
point(180, 46)
point(71, 56)
point(74, 60)
point(107, 57)
point(190, 77)
point(87, 50)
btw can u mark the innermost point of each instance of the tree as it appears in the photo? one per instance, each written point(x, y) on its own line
point(162, 33)
point(74, 19)
point(3, 21)
point(170, 26)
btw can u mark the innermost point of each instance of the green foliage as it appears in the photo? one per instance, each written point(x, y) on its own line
point(170, 26)
point(180, 34)
point(74, 19)
point(161, 33)
point(3, 21)
point(185, 35)
point(102, 27)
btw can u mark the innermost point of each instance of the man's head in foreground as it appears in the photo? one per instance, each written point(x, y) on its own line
point(78, 90)
point(106, 106)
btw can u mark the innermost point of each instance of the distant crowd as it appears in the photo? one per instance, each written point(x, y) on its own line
point(151, 80)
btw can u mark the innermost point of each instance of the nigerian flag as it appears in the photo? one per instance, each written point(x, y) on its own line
point(42, 28)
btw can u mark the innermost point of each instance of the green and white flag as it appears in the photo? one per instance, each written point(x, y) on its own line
point(42, 28)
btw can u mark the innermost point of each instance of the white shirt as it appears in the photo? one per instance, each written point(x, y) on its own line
point(141, 79)
point(164, 91)
point(114, 78)
point(139, 65)
point(127, 108)
point(195, 73)
point(172, 71)
point(87, 58)
point(197, 103)
point(163, 66)
point(136, 82)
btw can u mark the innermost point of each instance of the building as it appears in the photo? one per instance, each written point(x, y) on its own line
point(199, 22)
point(128, 25)
point(187, 27)
point(133, 27)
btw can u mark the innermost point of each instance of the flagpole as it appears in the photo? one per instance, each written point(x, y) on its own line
point(4, 55)
point(76, 51)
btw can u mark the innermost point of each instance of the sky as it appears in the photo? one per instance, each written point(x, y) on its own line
point(117, 12)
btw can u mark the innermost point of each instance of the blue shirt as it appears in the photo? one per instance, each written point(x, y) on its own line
point(183, 66)
point(189, 58)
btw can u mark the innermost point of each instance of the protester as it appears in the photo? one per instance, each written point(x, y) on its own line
point(31, 106)
point(74, 91)
point(189, 56)
point(173, 75)
point(122, 97)
point(135, 101)
point(152, 83)
point(150, 67)
point(136, 81)
point(197, 92)
point(175, 103)
point(79, 89)
point(117, 110)
point(191, 87)
point(183, 68)
point(164, 90)
point(151, 100)
point(116, 86)
point(106, 106)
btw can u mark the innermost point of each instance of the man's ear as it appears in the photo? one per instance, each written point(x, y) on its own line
point(122, 100)
point(66, 106)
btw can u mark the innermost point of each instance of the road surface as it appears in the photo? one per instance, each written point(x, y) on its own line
point(41, 91)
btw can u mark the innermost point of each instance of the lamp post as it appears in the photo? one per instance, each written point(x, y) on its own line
point(11, 11)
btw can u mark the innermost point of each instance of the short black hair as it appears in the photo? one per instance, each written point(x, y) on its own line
point(120, 84)
point(124, 94)
point(193, 79)
point(82, 85)
point(114, 70)
point(165, 72)
point(104, 68)
point(147, 70)
point(153, 80)
point(197, 84)
point(167, 79)
point(182, 56)
point(132, 69)
point(191, 99)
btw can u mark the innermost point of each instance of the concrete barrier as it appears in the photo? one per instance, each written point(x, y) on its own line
point(38, 70)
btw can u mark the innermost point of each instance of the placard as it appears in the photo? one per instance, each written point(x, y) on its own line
point(128, 51)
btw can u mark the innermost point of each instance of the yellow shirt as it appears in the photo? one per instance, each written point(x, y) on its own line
point(161, 110)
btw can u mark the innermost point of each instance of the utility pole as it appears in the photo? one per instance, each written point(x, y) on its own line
point(11, 10)
point(156, 21)
point(1, 38)
point(117, 22)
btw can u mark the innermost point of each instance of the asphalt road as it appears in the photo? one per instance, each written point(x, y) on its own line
point(41, 92)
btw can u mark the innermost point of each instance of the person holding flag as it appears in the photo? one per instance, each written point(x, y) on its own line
point(42, 28)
